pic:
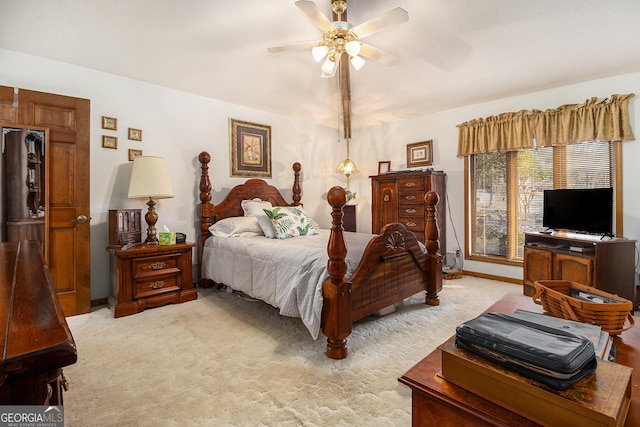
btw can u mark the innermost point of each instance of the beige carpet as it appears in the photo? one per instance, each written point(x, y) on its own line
point(224, 360)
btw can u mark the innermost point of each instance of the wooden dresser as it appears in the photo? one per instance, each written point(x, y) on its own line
point(37, 342)
point(150, 276)
point(399, 197)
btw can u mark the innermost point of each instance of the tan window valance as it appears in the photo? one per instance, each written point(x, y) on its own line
point(606, 120)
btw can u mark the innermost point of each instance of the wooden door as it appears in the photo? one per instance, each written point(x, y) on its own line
point(538, 265)
point(67, 248)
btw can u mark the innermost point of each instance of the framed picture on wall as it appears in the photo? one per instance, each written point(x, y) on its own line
point(134, 153)
point(110, 123)
point(250, 149)
point(110, 142)
point(420, 154)
point(135, 134)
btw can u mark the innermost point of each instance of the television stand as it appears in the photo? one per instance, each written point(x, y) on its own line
point(591, 260)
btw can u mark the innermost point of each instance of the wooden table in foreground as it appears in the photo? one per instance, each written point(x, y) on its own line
point(36, 340)
point(437, 402)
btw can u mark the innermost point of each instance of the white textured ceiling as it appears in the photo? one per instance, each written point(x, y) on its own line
point(452, 52)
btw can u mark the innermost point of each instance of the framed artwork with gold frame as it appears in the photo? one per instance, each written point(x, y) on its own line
point(135, 134)
point(250, 149)
point(134, 153)
point(110, 123)
point(420, 154)
point(110, 142)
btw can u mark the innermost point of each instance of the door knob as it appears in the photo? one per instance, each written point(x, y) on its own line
point(80, 220)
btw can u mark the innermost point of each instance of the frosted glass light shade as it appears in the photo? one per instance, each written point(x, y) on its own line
point(329, 66)
point(319, 52)
point(357, 62)
point(150, 179)
point(352, 48)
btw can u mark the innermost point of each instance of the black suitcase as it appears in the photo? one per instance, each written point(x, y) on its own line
point(551, 356)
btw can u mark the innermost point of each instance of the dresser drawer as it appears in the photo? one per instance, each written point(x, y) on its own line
point(410, 184)
point(156, 285)
point(162, 264)
point(407, 210)
point(411, 197)
point(412, 224)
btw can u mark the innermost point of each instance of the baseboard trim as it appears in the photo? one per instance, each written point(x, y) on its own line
point(98, 302)
point(493, 277)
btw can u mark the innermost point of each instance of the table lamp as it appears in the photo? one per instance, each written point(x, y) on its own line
point(150, 179)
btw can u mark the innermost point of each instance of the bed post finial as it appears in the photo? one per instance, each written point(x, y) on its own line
point(205, 210)
point(296, 184)
point(433, 246)
point(336, 291)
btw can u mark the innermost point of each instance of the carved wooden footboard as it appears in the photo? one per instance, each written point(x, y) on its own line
point(393, 266)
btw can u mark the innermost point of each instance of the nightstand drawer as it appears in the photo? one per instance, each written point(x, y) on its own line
point(155, 265)
point(155, 286)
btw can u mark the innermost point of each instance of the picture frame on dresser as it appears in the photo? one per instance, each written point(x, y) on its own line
point(420, 154)
point(384, 167)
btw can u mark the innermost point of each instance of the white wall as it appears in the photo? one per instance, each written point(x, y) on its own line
point(178, 126)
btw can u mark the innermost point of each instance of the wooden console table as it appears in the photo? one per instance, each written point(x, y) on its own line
point(437, 402)
point(36, 340)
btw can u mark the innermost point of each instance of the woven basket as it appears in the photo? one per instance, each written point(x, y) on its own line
point(556, 298)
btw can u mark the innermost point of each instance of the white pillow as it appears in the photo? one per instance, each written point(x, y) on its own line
point(266, 226)
point(254, 207)
point(289, 221)
point(237, 226)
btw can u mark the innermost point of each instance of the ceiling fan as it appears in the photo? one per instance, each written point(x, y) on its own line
point(341, 40)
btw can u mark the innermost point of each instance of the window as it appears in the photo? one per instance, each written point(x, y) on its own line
point(505, 192)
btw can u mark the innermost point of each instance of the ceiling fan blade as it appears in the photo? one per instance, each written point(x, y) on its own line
point(294, 46)
point(393, 17)
point(314, 13)
point(378, 55)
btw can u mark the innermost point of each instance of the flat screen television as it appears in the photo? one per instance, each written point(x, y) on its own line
point(582, 210)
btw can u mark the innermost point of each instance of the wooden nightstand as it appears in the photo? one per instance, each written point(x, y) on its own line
point(150, 276)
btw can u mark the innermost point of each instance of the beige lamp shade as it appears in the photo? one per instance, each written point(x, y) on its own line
point(150, 179)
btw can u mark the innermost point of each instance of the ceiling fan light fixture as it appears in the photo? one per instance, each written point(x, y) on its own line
point(319, 52)
point(352, 48)
point(329, 66)
point(357, 62)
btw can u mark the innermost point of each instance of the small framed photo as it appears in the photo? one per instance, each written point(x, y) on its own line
point(384, 167)
point(110, 123)
point(110, 142)
point(134, 153)
point(135, 134)
point(250, 149)
point(420, 154)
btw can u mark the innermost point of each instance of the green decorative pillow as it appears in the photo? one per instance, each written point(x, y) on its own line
point(289, 221)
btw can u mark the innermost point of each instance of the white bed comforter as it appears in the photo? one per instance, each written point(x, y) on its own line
point(288, 274)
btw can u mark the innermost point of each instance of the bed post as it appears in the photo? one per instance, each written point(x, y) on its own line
point(433, 249)
point(205, 209)
point(296, 184)
point(336, 309)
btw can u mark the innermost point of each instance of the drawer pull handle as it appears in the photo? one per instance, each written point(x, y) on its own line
point(157, 265)
point(386, 198)
point(410, 184)
point(156, 285)
point(410, 211)
point(410, 197)
point(411, 224)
